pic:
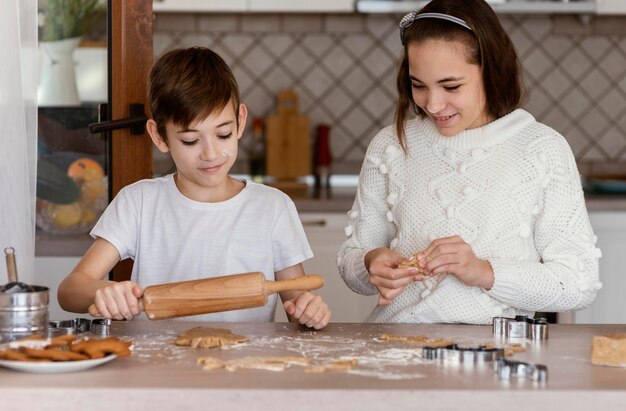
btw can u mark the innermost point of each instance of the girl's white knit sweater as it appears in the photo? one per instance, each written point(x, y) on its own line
point(510, 189)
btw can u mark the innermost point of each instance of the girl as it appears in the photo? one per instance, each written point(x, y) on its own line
point(486, 200)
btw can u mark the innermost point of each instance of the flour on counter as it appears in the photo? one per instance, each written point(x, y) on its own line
point(375, 360)
point(158, 347)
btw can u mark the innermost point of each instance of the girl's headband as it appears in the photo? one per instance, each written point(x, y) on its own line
point(410, 18)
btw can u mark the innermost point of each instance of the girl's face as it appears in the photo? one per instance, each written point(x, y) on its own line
point(448, 88)
point(204, 153)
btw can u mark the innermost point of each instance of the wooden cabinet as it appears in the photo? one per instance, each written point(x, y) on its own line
point(610, 304)
point(325, 232)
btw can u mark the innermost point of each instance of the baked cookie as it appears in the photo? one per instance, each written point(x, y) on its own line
point(98, 348)
point(64, 348)
point(609, 350)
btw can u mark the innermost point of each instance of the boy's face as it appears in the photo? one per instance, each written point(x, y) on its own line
point(203, 152)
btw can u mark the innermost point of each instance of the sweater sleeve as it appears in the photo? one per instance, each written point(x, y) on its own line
point(369, 224)
point(566, 278)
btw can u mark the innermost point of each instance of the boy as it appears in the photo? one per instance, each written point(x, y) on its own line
point(199, 222)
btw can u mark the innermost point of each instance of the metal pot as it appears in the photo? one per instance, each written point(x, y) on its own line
point(23, 314)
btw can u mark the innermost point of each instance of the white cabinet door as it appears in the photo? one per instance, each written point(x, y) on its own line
point(611, 6)
point(49, 272)
point(610, 304)
point(301, 6)
point(325, 232)
point(188, 6)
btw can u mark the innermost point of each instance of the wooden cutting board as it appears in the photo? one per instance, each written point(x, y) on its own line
point(288, 142)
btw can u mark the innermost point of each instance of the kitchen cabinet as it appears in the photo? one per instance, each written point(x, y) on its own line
point(325, 232)
point(255, 6)
point(610, 304)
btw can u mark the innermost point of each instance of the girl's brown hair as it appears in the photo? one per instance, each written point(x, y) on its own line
point(189, 84)
point(487, 44)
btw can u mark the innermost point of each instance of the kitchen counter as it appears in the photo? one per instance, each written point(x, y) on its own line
point(390, 375)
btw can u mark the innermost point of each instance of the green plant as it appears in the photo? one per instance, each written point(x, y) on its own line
point(64, 19)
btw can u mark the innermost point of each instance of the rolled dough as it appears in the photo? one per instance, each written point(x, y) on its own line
point(418, 340)
point(205, 337)
point(255, 363)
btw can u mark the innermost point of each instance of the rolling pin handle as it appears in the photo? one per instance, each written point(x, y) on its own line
point(93, 310)
point(304, 283)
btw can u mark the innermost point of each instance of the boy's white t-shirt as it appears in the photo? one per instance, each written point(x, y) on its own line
point(173, 238)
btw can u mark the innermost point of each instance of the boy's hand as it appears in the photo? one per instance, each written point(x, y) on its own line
point(308, 309)
point(119, 300)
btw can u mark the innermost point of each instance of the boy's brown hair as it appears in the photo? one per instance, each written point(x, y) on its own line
point(190, 84)
point(488, 46)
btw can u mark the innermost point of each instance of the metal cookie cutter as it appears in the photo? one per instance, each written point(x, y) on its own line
point(462, 354)
point(100, 326)
point(509, 368)
point(521, 327)
point(73, 326)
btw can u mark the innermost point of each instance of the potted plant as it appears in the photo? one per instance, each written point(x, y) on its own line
point(62, 24)
point(64, 19)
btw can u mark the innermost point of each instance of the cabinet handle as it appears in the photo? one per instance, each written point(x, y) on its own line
point(314, 223)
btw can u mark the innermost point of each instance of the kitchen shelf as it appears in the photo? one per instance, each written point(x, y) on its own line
point(509, 7)
point(253, 6)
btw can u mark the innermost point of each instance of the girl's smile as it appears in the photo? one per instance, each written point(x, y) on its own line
point(446, 87)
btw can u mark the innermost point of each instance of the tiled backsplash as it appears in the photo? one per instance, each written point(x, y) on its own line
point(343, 68)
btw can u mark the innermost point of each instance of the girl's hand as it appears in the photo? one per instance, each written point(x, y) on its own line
point(453, 255)
point(119, 300)
point(386, 276)
point(308, 309)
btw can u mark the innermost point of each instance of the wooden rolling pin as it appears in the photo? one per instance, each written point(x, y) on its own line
point(230, 292)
